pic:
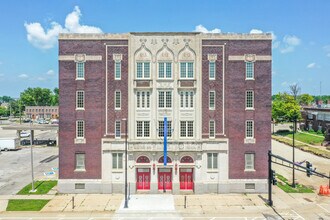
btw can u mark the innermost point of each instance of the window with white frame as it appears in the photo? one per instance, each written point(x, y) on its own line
point(117, 100)
point(212, 128)
point(249, 99)
point(164, 70)
point(117, 129)
point(161, 128)
point(118, 70)
point(142, 99)
point(211, 70)
point(186, 128)
point(187, 99)
point(80, 162)
point(186, 70)
point(165, 99)
point(80, 99)
point(249, 129)
point(212, 161)
point(117, 160)
point(80, 129)
point(212, 100)
point(143, 70)
point(143, 128)
point(249, 161)
point(80, 70)
point(249, 70)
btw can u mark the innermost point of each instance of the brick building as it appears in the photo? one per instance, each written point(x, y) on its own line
point(214, 89)
point(37, 112)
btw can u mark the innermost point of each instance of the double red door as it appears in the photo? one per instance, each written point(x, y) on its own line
point(186, 179)
point(164, 179)
point(143, 179)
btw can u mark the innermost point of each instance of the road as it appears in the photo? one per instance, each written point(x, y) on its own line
point(322, 165)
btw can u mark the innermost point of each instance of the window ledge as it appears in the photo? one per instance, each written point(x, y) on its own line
point(249, 109)
point(249, 140)
point(80, 170)
point(80, 78)
point(80, 109)
point(117, 170)
point(80, 140)
point(249, 79)
point(249, 170)
point(212, 171)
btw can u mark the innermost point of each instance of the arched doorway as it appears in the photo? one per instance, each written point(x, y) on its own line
point(164, 175)
point(186, 173)
point(142, 174)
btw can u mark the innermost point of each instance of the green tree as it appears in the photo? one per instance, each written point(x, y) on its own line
point(4, 111)
point(36, 97)
point(285, 108)
point(5, 99)
point(305, 99)
point(55, 97)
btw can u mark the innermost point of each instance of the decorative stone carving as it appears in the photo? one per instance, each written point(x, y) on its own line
point(154, 41)
point(117, 57)
point(80, 57)
point(165, 41)
point(175, 41)
point(249, 57)
point(212, 57)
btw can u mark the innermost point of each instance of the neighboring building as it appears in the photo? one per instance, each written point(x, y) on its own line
point(316, 118)
point(45, 112)
point(214, 89)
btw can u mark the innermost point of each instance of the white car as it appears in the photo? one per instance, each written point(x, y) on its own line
point(24, 134)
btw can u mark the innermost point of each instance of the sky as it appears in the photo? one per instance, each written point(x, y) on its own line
point(300, 28)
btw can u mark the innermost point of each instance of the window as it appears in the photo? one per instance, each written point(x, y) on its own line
point(211, 70)
point(143, 99)
point(186, 129)
point(117, 160)
point(143, 128)
point(212, 161)
point(164, 70)
point(249, 161)
point(249, 129)
point(117, 70)
point(165, 99)
point(249, 70)
point(161, 128)
point(249, 100)
point(80, 70)
point(80, 129)
point(80, 161)
point(80, 96)
point(212, 100)
point(118, 130)
point(187, 70)
point(187, 99)
point(118, 100)
point(212, 128)
point(142, 70)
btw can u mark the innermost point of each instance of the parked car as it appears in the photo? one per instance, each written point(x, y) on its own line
point(42, 121)
point(54, 121)
point(24, 134)
point(27, 120)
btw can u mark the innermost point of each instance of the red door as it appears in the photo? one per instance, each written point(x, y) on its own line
point(143, 179)
point(186, 179)
point(164, 179)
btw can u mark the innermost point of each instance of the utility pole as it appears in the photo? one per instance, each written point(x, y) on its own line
point(126, 157)
point(293, 156)
point(270, 201)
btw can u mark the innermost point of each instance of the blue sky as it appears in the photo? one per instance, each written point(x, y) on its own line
point(29, 30)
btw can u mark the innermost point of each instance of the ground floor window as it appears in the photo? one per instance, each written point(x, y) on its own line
point(117, 160)
point(212, 161)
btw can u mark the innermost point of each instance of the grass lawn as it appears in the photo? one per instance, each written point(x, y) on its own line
point(303, 137)
point(42, 187)
point(26, 204)
point(286, 187)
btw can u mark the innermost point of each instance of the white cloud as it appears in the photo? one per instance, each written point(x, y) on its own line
point(290, 42)
point(256, 31)
point(311, 65)
point(50, 72)
point(23, 76)
point(46, 39)
point(201, 28)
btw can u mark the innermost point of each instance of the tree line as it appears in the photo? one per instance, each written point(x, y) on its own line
point(29, 97)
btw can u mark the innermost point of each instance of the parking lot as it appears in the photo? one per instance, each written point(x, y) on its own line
point(15, 166)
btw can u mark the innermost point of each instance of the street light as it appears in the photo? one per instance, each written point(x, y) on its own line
point(293, 160)
point(126, 202)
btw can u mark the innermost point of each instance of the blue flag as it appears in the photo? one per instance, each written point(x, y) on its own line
point(165, 141)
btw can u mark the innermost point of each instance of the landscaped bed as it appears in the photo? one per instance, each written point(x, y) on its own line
point(286, 187)
point(42, 187)
point(26, 204)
